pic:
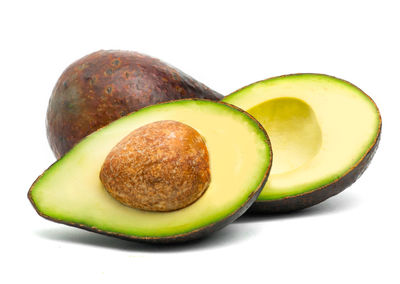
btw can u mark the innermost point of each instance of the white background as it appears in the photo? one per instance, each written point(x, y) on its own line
point(351, 238)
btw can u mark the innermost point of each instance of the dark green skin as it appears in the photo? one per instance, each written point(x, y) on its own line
point(181, 238)
point(308, 199)
point(106, 85)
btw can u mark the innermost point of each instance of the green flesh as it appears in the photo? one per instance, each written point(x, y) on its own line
point(320, 128)
point(70, 190)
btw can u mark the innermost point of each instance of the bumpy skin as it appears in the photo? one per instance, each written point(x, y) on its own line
point(105, 85)
point(162, 166)
point(301, 201)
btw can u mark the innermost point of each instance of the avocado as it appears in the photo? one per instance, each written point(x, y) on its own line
point(108, 84)
point(324, 132)
point(80, 188)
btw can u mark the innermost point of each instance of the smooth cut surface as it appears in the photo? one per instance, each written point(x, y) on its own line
point(319, 126)
point(71, 190)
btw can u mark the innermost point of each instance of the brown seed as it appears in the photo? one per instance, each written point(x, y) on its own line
point(162, 166)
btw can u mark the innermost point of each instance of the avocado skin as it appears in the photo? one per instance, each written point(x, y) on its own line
point(308, 199)
point(180, 238)
point(108, 84)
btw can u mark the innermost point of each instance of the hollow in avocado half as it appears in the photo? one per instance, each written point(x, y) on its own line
point(324, 132)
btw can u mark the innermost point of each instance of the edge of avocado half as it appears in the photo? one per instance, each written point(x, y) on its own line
point(312, 196)
point(188, 235)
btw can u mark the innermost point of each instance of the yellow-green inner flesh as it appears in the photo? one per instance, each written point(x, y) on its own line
point(319, 126)
point(71, 190)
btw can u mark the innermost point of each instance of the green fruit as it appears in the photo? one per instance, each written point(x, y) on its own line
point(71, 192)
point(108, 84)
point(324, 132)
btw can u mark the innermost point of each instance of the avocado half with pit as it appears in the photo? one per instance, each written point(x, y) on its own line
point(324, 132)
point(170, 172)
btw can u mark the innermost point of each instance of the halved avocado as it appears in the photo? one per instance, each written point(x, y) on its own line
point(324, 132)
point(71, 192)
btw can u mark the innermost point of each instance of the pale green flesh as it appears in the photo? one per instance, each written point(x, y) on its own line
point(71, 191)
point(320, 127)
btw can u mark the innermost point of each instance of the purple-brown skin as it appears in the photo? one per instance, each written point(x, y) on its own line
point(106, 85)
point(308, 199)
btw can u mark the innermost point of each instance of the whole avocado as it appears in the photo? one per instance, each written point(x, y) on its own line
point(108, 84)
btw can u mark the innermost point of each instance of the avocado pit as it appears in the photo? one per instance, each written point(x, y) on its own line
point(162, 166)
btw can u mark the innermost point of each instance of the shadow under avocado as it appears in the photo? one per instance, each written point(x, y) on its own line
point(330, 206)
point(228, 236)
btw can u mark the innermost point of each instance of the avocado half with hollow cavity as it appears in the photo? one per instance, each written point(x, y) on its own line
point(239, 155)
point(108, 84)
point(324, 132)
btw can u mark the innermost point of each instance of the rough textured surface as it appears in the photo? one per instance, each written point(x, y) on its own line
point(162, 166)
point(105, 85)
point(308, 199)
